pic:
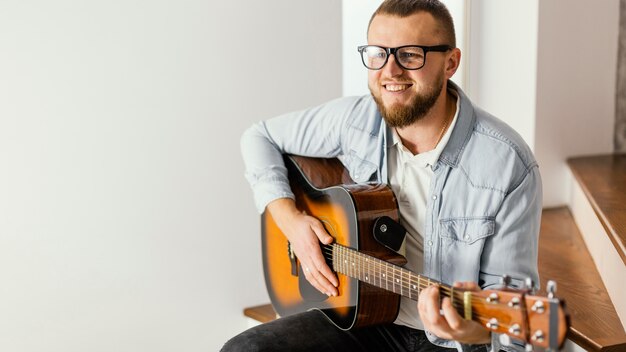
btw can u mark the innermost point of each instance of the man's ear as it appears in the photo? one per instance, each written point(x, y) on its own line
point(452, 62)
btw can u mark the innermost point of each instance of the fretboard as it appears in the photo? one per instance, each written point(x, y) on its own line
point(382, 274)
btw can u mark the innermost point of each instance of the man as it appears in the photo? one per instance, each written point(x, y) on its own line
point(468, 188)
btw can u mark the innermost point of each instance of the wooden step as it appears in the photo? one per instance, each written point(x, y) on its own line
point(603, 180)
point(263, 313)
point(563, 257)
point(598, 204)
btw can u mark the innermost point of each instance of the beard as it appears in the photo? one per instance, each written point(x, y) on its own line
point(399, 115)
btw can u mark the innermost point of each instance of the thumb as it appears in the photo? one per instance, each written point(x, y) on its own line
point(321, 233)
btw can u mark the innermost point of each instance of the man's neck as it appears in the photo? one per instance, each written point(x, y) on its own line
point(424, 135)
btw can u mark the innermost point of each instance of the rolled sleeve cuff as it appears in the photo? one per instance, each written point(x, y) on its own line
point(268, 190)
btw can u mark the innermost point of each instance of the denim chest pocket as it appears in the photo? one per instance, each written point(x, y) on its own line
point(467, 230)
point(360, 170)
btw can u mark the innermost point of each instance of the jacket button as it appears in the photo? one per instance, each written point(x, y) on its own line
point(434, 197)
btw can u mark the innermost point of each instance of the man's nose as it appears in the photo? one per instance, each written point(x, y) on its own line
point(392, 68)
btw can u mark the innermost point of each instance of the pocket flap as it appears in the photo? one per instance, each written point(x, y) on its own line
point(467, 230)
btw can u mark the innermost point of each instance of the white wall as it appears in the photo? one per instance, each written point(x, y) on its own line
point(576, 72)
point(355, 18)
point(125, 220)
point(503, 61)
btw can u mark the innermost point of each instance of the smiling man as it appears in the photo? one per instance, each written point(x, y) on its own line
point(467, 186)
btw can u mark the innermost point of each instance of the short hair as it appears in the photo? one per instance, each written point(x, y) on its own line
point(405, 8)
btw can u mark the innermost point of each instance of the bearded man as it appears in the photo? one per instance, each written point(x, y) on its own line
point(467, 186)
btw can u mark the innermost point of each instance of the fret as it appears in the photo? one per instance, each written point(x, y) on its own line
point(352, 265)
point(410, 281)
point(419, 284)
point(385, 277)
point(348, 272)
point(379, 272)
point(338, 259)
point(362, 268)
point(343, 260)
point(359, 267)
point(401, 282)
point(393, 280)
point(355, 272)
point(355, 267)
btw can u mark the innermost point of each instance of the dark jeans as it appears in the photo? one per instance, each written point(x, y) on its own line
point(311, 331)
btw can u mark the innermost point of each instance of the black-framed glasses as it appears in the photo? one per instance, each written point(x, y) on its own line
point(409, 57)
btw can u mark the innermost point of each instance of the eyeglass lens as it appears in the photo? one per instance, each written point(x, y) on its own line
point(408, 57)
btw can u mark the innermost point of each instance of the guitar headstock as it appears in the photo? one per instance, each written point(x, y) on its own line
point(534, 320)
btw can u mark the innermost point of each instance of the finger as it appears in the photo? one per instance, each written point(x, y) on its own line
point(313, 277)
point(322, 267)
point(467, 285)
point(430, 304)
point(325, 276)
point(321, 273)
point(328, 279)
point(453, 319)
point(437, 324)
point(328, 288)
point(321, 233)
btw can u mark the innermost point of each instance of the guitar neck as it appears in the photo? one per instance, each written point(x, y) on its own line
point(385, 275)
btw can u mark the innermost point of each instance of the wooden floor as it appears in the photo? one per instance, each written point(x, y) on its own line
point(563, 257)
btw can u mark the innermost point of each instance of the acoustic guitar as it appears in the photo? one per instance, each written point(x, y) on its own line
point(371, 278)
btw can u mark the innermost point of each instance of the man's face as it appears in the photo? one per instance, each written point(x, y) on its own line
point(405, 96)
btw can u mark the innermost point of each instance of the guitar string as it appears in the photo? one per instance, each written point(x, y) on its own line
point(446, 291)
point(458, 305)
point(421, 282)
point(380, 264)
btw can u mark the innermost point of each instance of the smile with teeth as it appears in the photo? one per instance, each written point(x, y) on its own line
point(396, 87)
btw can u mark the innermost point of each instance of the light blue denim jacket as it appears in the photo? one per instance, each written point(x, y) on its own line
point(485, 199)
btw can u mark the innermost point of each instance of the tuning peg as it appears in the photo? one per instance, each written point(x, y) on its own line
point(551, 288)
point(505, 280)
point(529, 284)
point(504, 339)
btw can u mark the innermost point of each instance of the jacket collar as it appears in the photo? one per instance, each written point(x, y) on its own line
point(462, 130)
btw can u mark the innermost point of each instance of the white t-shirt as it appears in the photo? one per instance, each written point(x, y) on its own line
point(409, 178)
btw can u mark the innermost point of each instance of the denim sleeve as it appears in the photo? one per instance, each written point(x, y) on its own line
point(315, 132)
